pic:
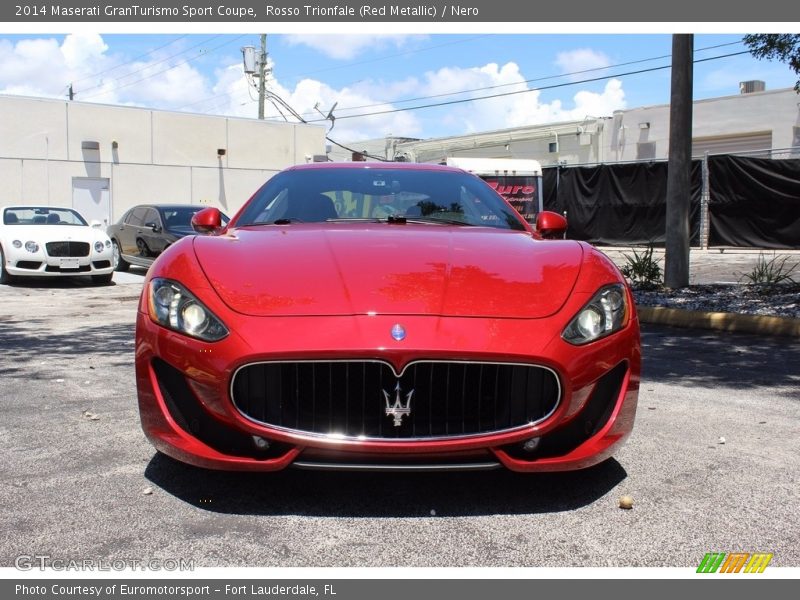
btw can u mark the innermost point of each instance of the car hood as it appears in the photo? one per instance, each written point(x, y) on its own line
point(341, 269)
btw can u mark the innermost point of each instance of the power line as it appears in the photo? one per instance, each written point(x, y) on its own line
point(463, 100)
point(525, 91)
point(158, 62)
point(183, 62)
point(128, 62)
point(526, 81)
point(350, 64)
point(491, 87)
point(534, 80)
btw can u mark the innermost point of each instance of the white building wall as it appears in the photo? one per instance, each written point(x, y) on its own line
point(31, 128)
point(130, 128)
point(147, 155)
point(616, 138)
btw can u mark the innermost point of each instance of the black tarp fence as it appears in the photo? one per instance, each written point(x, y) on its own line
point(550, 188)
point(754, 202)
point(618, 204)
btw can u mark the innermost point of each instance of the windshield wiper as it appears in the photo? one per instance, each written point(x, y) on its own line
point(437, 220)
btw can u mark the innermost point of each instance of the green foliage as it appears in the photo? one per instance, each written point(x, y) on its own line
point(784, 47)
point(772, 272)
point(642, 270)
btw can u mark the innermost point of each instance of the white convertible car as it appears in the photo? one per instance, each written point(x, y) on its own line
point(49, 241)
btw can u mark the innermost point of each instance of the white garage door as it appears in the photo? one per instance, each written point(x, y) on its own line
point(732, 144)
point(91, 198)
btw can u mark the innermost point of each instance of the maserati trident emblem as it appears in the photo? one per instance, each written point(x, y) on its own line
point(397, 409)
point(398, 332)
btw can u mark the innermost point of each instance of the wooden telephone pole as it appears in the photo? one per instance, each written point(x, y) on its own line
point(676, 259)
point(262, 70)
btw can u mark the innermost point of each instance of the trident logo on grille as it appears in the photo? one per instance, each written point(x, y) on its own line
point(398, 409)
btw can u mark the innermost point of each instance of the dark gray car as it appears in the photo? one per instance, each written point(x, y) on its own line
point(145, 231)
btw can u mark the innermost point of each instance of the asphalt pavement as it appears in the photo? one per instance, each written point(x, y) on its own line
point(712, 466)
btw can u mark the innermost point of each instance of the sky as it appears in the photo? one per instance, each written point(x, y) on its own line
point(382, 84)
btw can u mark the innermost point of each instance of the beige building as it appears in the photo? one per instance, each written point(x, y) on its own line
point(104, 159)
point(751, 121)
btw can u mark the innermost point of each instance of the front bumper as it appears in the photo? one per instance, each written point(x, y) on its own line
point(187, 413)
point(39, 264)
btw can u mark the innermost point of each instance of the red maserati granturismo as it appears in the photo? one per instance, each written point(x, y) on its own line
point(385, 316)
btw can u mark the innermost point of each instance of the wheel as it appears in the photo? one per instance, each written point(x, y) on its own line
point(143, 248)
point(120, 264)
point(102, 279)
point(5, 277)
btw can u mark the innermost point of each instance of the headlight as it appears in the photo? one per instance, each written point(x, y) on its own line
point(172, 305)
point(605, 313)
point(31, 246)
point(98, 246)
point(16, 244)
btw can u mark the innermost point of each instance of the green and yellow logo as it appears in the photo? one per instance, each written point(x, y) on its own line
point(734, 562)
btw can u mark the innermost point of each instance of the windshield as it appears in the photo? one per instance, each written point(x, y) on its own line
point(30, 215)
point(345, 194)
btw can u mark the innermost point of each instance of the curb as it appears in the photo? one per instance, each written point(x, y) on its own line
point(720, 321)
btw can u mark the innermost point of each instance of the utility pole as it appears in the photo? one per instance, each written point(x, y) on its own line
point(71, 93)
point(676, 259)
point(262, 71)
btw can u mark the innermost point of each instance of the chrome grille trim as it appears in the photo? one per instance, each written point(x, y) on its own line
point(338, 437)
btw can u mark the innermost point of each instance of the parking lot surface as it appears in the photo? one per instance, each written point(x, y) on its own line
point(713, 465)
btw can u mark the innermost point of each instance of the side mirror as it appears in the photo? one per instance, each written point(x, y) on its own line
point(153, 226)
point(207, 220)
point(551, 225)
point(96, 224)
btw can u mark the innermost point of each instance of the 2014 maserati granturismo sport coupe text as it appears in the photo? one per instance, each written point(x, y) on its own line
point(385, 316)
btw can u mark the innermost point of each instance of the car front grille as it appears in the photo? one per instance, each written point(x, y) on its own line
point(67, 249)
point(365, 399)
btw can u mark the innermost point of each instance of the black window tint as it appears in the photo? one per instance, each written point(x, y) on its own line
point(137, 216)
point(151, 216)
point(377, 194)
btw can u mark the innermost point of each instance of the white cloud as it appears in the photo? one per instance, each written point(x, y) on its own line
point(36, 66)
point(478, 113)
point(163, 86)
point(582, 59)
point(83, 50)
point(347, 47)
point(43, 67)
point(510, 110)
point(309, 92)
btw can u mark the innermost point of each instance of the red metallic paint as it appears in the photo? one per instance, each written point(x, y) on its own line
point(305, 269)
point(461, 293)
point(208, 220)
point(550, 225)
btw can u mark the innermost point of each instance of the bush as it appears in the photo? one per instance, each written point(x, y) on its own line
point(771, 272)
point(642, 270)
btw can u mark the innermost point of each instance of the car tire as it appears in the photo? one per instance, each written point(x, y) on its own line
point(102, 279)
point(121, 264)
point(5, 277)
